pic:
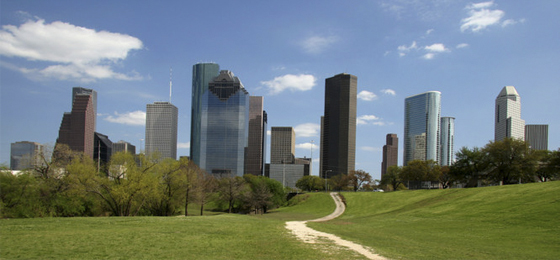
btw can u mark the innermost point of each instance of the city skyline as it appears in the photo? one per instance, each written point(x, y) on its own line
point(283, 53)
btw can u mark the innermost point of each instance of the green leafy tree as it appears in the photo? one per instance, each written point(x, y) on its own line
point(339, 182)
point(310, 183)
point(445, 178)
point(509, 161)
point(358, 178)
point(19, 197)
point(126, 189)
point(392, 177)
point(470, 166)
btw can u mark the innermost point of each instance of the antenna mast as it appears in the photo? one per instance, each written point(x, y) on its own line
point(170, 82)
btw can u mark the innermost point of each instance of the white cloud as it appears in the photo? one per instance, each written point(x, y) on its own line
point(462, 45)
point(77, 53)
point(429, 56)
point(366, 95)
point(307, 130)
point(129, 118)
point(436, 47)
point(301, 82)
point(307, 146)
point(365, 119)
point(186, 145)
point(480, 17)
point(317, 44)
point(428, 32)
point(403, 49)
point(389, 91)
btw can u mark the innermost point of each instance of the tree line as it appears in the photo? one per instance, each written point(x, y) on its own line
point(71, 184)
point(509, 161)
point(353, 181)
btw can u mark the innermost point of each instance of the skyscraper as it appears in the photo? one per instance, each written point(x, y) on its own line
point(255, 158)
point(77, 127)
point(203, 73)
point(102, 149)
point(86, 91)
point(224, 126)
point(338, 125)
point(422, 127)
point(508, 121)
point(390, 153)
point(161, 129)
point(24, 155)
point(536, 136)
point(282, 145)
point(447, 134)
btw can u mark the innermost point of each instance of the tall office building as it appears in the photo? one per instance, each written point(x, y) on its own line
point(284, 167)
point(161, 129)
point(282, 145)
point(86, 91)
point(422, 127)
point(390, 153)
point(338, 127)
point(24, 155)
point(77, 127)
point(102, 148)
point(536, 136)
point(256, 155)
point(508, 121)
point(122, 146)
point(224, 126)
point(203, 73)
point(447, 134)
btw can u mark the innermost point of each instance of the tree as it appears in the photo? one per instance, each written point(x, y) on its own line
point(339, 182)
point(127, 187)
point(470, 166)
point(392, 177)
point(231, 190)
point(445, 178)
point(260, 196)
point(19, 197)
point(310, 183)
point(509, 160)
point(358, 178)
point(206, 188)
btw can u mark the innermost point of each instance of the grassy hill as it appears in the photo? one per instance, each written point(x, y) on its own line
point(505, 222)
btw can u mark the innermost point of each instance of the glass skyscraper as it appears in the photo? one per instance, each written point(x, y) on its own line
point(447, 134)
point(422, 126)
point(224, 126)
point(161, 129)
point(203, 73)
point(508, 115)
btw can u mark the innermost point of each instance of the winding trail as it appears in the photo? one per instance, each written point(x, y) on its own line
point(309, 235)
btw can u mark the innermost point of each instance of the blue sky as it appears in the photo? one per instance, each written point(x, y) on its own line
point(282, 50)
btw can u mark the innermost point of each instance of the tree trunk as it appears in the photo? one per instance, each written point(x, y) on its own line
point(187, 202)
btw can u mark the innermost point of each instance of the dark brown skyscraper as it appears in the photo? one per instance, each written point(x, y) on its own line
point(338, 126)
point(78, 127)
point(390, 153)
point(255, 157)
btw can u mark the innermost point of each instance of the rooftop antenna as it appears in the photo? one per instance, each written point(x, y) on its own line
point(170, 82)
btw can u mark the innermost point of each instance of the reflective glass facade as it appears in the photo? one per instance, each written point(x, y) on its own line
point(224, 126)
point(422, 126)
point(203, 73)
point(447, 156)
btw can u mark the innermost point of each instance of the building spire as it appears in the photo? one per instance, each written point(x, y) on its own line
point(170, 82)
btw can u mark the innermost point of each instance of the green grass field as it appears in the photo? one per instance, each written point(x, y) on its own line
point(507, 222)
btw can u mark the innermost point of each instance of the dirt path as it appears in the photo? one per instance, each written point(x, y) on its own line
point(308, 235)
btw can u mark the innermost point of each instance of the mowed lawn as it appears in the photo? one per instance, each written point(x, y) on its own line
point(504, 222)
point(223, 236)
